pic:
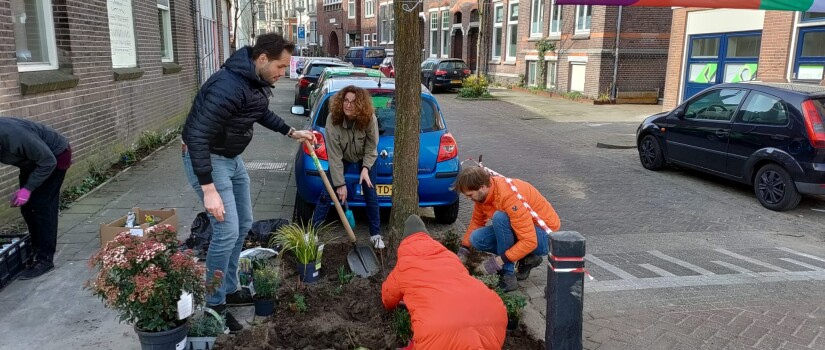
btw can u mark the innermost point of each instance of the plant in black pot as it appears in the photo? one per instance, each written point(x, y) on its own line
point(204, 328)
point(265, 284)
point(307, 244)
point(514, 304)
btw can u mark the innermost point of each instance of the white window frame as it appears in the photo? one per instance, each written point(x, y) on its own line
point(512, 24)
point(795, 41)
point(346, 41)
point(532, 79)
point(536, 18)
point(350, 9)
point(551, 74)
point(391, 15)
point(366, 40)
point(434, 33)
point(382, 22)
point(555, 12)
point(587, 10)
point(445, 32)
point(166, 31)
point(369, 8)
point(497, 26)
point(375, 38)
point(51, 42)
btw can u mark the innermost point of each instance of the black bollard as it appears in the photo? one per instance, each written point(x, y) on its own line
point(565, 291)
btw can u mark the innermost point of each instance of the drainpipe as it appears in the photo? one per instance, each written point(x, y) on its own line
point(615, 89)
point(196, 21)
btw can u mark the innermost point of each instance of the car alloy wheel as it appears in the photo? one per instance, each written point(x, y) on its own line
point(648, 152)
point(771, 187)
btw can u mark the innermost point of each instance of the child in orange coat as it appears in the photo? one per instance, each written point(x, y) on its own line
point(449, 308)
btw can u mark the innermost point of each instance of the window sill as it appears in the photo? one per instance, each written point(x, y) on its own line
point(171, 68)
point(44, 81)
point(554, 36)
point(127, 73)
point(495, 61)
point(581, 36)
point(534, 38)
point(510, 62)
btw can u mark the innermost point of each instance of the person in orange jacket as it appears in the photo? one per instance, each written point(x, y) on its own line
point(449, 308)
point(514, 235)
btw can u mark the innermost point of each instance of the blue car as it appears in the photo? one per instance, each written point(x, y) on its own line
point(438, 161)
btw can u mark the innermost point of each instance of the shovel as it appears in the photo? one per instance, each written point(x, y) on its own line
point(361, 259)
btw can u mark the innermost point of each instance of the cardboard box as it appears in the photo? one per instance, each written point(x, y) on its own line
point(109, 231)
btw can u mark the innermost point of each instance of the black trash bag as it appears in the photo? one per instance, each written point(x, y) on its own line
point(201, 234)
point(262, 230)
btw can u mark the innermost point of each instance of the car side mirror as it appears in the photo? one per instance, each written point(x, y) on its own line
point(298, 71)
point(298, 110)
point(679, 113)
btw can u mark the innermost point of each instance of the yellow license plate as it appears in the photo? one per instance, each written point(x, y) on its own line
point(376, 66)
point(456, 81)
point(383, 190)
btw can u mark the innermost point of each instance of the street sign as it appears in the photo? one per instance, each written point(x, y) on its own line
point(301, 34)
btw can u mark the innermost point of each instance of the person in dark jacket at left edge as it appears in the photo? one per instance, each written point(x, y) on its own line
point(43, 155)
point(216, 132)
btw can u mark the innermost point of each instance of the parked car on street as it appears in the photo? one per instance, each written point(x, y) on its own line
point(335, 72)
point(366, 56)
point(438, 162)
point(770, 136)
point(387, 67)
point(443, 73)
point(309, 75)
point(303, 62)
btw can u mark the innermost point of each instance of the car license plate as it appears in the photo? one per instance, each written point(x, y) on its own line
point(383, 190)
point(375, 66)
point(456, 81)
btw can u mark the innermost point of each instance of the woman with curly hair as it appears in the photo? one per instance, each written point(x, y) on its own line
point(352, 143)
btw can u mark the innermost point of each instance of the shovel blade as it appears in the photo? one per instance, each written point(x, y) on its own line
point(363, 262)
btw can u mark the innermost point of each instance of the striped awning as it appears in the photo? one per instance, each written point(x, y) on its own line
point(783, 5)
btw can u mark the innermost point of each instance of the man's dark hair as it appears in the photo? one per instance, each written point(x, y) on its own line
point(471, 178)
point(272, 45)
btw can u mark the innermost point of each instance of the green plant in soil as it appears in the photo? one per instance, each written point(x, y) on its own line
point(514, 303)
point(265, 281)
point(491, 281)
point(302, 240)
point(451, 240)
point(206, 325)
point(299, 303)
point(344, 277)
point(475, 87)
point(402, 324)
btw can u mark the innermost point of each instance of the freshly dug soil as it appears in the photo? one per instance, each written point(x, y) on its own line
point(337, 316)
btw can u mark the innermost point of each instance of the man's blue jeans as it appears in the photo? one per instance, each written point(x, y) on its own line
point(232, 182)
point(499, 237)
point(324, 202)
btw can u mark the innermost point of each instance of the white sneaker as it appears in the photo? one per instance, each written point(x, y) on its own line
point(377, 241)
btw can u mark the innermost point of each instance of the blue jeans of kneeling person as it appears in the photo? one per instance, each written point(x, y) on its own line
point(499, 237)
point(324, 202)
point(232, 182)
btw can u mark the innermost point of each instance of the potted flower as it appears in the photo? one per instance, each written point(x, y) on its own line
point(265, 283)
point(204, 329)
point(307, 246)
point(514, 304)
point(151, 284)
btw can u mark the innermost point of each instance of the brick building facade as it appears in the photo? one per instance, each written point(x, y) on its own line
point(708, 47)
point(102, 83)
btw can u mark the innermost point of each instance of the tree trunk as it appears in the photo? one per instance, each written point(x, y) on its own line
point(408, 108)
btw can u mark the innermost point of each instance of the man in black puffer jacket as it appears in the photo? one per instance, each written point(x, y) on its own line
point(216, 132)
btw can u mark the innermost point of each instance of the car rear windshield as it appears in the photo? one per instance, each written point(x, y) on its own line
point(316, 69)
point(375, 53)
point(384, 103)
point(452, 65)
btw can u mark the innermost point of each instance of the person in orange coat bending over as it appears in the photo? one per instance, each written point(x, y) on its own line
point(449, 308)
point(514, 235)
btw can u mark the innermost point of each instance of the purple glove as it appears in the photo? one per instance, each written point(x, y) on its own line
point(21, 197)
point(490, 266)
point(463, 253)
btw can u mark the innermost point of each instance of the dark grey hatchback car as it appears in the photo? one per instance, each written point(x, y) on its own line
point(767, 135)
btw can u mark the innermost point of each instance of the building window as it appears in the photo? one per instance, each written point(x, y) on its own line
point(810, 54)
point(391, 15)
point(445, 33)
point(346, 42)
point(532, 73)
point(512, 31)
point(551, 75)
point(369, 8)
point(583, 16)
point(122, 34)
point(555, 19)
point(165, 22)
point(813, 16)
point(536, 17)
point(34, 40)
point(434, 34)
point(366, 40)
point(498, 20)
point(742, 58)
point(260, 14)
point(382, 24)
point(351, 9)
point(374, 38)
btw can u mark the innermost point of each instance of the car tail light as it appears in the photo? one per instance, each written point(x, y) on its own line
point(467, 72)
point(447, 149)
point(814, 123)
point(440, 72)
point(320, 146)
point(304, 82)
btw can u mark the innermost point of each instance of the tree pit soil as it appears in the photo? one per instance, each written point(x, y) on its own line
point(337, 316)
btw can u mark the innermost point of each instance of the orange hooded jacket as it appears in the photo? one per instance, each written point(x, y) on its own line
point(502, 198)
point(449, 308)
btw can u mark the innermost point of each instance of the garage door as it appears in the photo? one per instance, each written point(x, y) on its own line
point(577, 74)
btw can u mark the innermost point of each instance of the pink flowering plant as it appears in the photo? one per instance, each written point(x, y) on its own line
point(143, 279)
